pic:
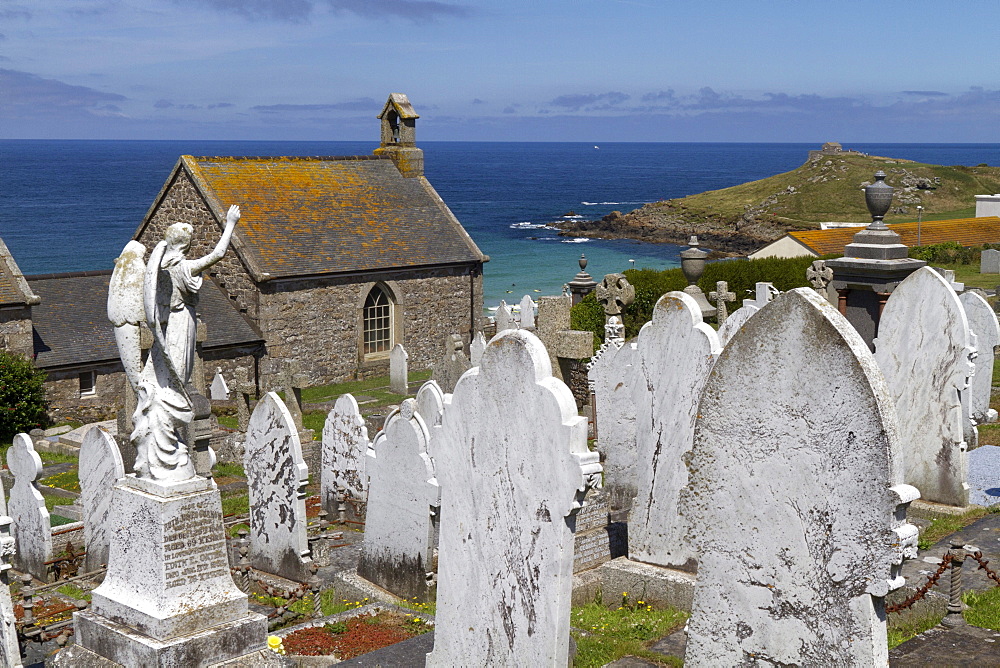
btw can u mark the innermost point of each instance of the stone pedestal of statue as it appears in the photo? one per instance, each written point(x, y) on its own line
point(168, 598)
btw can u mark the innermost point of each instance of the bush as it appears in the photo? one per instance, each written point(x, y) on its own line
point(949, 252)
point(22, 396)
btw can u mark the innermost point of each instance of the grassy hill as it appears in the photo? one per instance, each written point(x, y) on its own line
point(824, 189)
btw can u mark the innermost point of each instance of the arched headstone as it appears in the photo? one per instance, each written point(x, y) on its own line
point(924, 349)
point(10, 651)
point(398, 374)
point(32, 527)
point(396, 554)
point(344, 448)
point(276, 482)
point(518, 470)
point(983, 322)
point(100, 467)
point(476, 349)
point(791, 496)
point(431, 402)
point(504, 318)
point(676, 352)
point(526, 313)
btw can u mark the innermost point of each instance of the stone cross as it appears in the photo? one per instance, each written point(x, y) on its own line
point(399, 539)
point(291, 381)
point(983, 321)
point(10, 651)
point(220, 389)
point(924, 349)
point(819, 276)
point(615, 293)
point(798, 575)
point(526, 313)
point(344, 448)
point(100, 468)
point(562, 343)
point(949, 275)
point(720, 296)
point(276, 480)
point(32, 528)
point(503, 317)
point(245, 393)
point(676, 354)
point(398, 374)
point(518, 470)
point(476, 348)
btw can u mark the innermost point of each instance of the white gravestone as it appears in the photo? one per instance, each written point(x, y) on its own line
point(791, 496)
point(397, 550)
point(518, 470)
point(765, 292)
point(344, 452)
point(10, 651)
point(476, 349)
point(982, 321)
point(219, 391)
point(526, 313)
point(989, 262)
point(431, 404)
point(100, 468)
point(276, 480)
point(32, 529)
point(504, 318)
point(924, 348)
point(452, 365)
point(676, 353)
point(398, 375)
point(612, 375)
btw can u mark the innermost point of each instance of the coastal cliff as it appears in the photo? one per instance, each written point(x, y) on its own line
point(827, 188)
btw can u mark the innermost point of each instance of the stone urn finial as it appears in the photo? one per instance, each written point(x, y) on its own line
point(693, 261)
point(878, 199)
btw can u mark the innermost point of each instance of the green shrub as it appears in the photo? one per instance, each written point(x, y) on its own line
point(22, 396)
point(949, 252)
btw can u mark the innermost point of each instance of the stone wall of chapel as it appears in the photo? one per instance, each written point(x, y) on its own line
point(62, 389)
point(318, 322)
point(15, 330)
point(183, 204)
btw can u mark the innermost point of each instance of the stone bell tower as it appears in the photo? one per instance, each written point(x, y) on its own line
point(399, 135)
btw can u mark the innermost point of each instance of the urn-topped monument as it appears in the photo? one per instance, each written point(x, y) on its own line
point(168, 598)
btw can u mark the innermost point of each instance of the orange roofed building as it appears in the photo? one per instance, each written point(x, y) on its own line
point(335, 259)
point(817, 243)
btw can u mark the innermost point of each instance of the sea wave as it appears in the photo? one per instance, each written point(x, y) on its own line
point(576, 240)
point(527, 225)
point(609, 203)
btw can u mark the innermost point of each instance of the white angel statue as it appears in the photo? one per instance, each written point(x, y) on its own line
point(162, 293)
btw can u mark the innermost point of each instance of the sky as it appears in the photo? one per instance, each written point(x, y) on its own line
point(910, 71)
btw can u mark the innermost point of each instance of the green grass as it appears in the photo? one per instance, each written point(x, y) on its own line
point(58, 458)
point(969, 274)
point(605, 634)
point(983, 608)
point(74, 592)
point(235, 529)
point(228, 470)
point(900, 629)
point(229, 421)
point(945, 526)
point(236, 504)
point(429, 608)
point(332, 604)
point(68, 480)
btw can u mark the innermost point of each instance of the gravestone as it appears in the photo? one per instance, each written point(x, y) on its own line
point(100, 469)
point(504, 318)
point(614, 293)
point(452, 365)
point(398, 374)
point(398, 545)
point(676, 352)
point(31, 529)
point(219, 390)
point(989, 262)
point(924, 349)
point(612, 374)
point(245, 393)
point(791, 496)
point(949, 276)
point(720, 296)
point(292, 381)
point(518, 470)
point(476, 349)
point(344, 454)
point(983, 322)
point(563, 344)
point(764, 293)
point(431, 403)
point(10, 651)
point(526, 313)
point(276, 481)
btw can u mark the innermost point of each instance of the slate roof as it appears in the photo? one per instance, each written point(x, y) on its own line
point(71, 324)
point(966, 231)
point(13, 288)
point(305, 216)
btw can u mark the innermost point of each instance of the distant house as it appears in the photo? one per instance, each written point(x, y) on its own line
point(335, 259)
point(816, 243)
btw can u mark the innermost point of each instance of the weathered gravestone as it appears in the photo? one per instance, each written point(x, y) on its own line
point(791, 496)
point(924, 349)
point(344, 454)
point(276, 481)
point(720, 296)
point(476, 349)
point(504, 318)
point(452, 365)
point(989, 261)
point(402, 493)
point(292, 380)
point(398, 374)
point(983, 322)
point(10, 651)
point(526, 313)
point(32, 529)
point(219, 391)
point(563, 344)
point(518, 470)
point(765, 292)
point(676, 352)
point(100, 468)
point(431, 403)
point(245, 394)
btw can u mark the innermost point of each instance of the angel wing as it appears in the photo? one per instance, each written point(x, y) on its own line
point(125, 309)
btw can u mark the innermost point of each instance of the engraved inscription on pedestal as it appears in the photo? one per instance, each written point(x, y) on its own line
point(194, 547)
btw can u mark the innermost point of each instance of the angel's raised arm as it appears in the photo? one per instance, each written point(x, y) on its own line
point(201, 264)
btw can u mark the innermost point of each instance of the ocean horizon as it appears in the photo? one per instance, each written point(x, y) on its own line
point(71, 205)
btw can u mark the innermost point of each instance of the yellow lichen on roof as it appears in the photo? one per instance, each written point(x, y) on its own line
point(965, 231)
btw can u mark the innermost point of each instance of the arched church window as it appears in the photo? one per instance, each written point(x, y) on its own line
point(378, 321)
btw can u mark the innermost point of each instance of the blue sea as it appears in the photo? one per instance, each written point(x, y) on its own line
point(72, 205)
